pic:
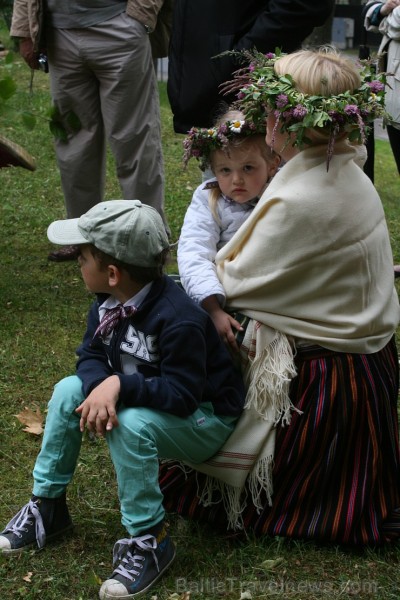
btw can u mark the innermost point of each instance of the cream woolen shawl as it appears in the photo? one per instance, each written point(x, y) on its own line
point(314, 260)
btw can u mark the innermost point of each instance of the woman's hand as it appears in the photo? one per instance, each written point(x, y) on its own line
point(98, 410)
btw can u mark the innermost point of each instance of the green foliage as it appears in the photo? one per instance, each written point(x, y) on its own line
point(60, 128)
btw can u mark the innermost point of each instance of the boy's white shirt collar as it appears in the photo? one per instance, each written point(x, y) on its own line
point(136, 300)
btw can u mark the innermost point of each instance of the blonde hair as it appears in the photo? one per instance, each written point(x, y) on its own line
point(321, 72)
point(248, 142)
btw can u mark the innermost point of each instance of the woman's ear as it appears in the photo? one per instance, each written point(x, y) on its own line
point(114, 275)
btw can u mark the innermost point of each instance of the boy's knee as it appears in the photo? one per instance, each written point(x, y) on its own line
point(68, 393)
point(135, 421)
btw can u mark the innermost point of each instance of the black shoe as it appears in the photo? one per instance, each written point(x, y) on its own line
point(38, 521)
point(139, 562)
point(66, 253)
point(396, 269)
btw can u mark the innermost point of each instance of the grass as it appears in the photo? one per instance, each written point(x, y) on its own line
point(42, 317)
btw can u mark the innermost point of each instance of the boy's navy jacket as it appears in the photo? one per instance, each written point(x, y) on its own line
point(168, 356)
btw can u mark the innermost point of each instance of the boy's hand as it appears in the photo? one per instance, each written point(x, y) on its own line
point(98, 409)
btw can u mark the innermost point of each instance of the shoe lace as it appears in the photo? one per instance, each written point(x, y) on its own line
point(24, 517)
point(130, 554)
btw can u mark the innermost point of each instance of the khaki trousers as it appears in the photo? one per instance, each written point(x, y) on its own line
point(104, 74)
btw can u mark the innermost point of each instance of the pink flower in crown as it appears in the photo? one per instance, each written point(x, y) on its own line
point(376, 86)
point(336, 117)
point(270, 55)
point(281, 101)
point(352, 110)
point(299, 112)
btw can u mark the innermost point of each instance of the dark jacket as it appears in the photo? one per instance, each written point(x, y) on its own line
point(204, 28)
point(168, 356)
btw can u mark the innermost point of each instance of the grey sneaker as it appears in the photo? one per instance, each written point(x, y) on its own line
point(138, 563)
point(38, 521)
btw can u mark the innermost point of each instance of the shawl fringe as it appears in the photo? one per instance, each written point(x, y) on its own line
point(269, 373)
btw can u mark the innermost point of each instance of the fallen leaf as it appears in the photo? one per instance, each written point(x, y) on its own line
point(32, 420)
point(96, 580)
point(246, 595)
point(28, 577)
point(268, 565)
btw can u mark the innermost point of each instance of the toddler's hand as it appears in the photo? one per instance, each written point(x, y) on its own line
point(224, 323)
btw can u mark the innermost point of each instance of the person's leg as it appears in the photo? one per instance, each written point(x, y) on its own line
point(370, 162)
point(130, 106)
point(62, 439)
point(394, 139)
point(75, 89)
point(142, 437)
point(46, 515)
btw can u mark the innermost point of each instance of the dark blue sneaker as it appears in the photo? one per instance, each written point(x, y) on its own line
point(38, 521)
point(138, 563)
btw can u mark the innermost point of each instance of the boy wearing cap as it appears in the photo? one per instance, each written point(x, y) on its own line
point(152, 376)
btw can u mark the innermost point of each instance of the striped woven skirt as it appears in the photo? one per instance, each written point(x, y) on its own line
point(337, 465)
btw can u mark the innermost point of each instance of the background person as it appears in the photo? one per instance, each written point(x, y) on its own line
point(201, 30)
point(101, 71)
point(385, 18)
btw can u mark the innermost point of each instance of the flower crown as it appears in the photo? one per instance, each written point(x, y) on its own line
point(201, 142)
point(257, 87)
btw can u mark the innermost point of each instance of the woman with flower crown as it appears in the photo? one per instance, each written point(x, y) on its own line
point(242, 163)
point(311, 268)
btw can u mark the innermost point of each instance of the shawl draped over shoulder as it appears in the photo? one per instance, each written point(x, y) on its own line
point(314, 260)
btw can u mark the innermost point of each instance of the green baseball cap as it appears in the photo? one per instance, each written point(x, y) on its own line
point(128, 230)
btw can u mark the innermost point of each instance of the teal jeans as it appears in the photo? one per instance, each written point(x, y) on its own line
point(142, 437)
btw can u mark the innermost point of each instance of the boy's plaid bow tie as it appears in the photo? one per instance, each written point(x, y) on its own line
point(111, 317)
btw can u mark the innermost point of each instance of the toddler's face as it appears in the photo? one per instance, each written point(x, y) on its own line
point(242, 174)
